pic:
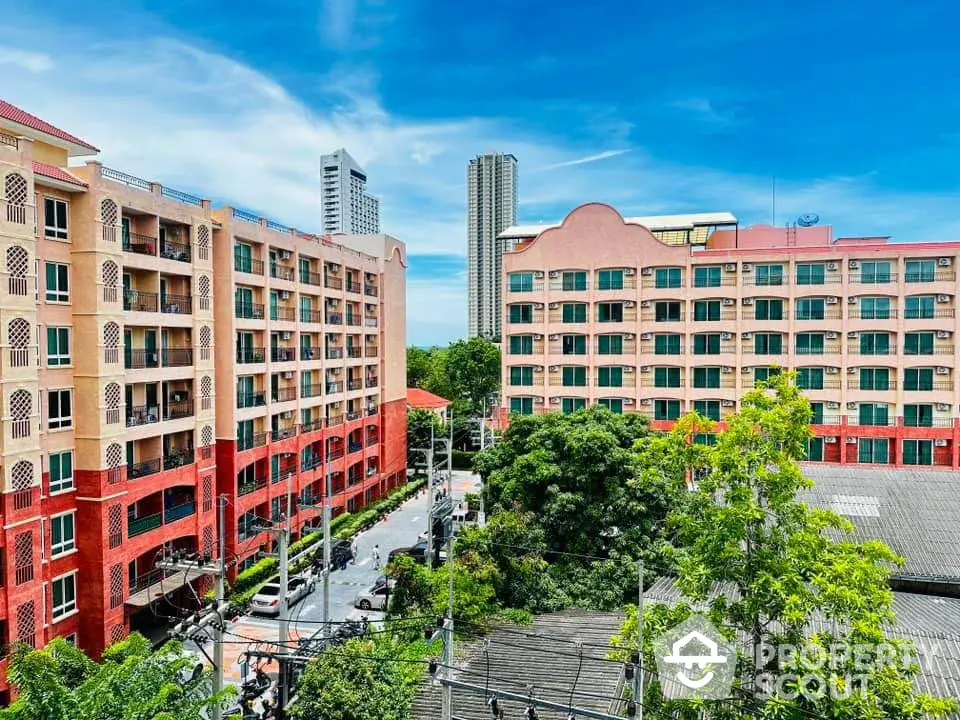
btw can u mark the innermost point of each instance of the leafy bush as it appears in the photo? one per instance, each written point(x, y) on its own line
point(463, 459)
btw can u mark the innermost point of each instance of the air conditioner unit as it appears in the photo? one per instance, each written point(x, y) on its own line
point(629, 272)
point(647, 271)
point(945, 262)
point(285, 335)
point(727, 369)
point(833, 405)
point(747, 267)
point(627, 370)
point(629, 336)
point(943, 298)
point(538, 369)
point(730, 267)
point(538, 337)
point(284, 254)
point(830, 440)
point(851, 441)
point(646, 336)
point(832, 266)
point(832, 300)
point(554, 368)
point(538, 401)
point(554, 337)
point(628, 304)
point(748, 301)
point(943, 370)
point(851, 406)
point(628, 401)
point(538, 306)
point(745, 371)
point(831, 336)
point(943, 334)
point(940, 442)
point(331, 301)
point(554, 306)
point(538, 274)
point(832, 370)
point(644, 303)
point(729, 301)
point(852, 334)
point(645, 369)
point(288, 375)
point(746, 336)
point(646, 401)
point(284, 295)
point(942, 407)
point(726, 336)
point(851, 371)
point(554, 401)
point(726, 403)
point(334, 267)
point(853, 264)
point(554, 274)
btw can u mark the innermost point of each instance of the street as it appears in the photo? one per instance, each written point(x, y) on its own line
point(400, 529)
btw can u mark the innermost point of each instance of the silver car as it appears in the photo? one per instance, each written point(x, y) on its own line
point(267, 599)
point(374, 598)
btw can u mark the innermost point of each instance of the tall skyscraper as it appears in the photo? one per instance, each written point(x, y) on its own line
point(347, 208)
point(492, 208)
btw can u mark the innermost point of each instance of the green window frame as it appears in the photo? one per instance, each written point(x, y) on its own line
point(706, 377)
point(810, 378)
point(768, 344)
point(762, 374)
point(875, 343)
point(875, 308)
point(574, 345)
point(706, 310)
point(916, 271)
point(521, 375)
point(610, 280)
point(809, 343)
point(242, 257)
point(810, 273)
point(666, 409)
point(574, 376)
point(816, 413)
point(873, 450)
point(810, 309)
point(667, 311)
point(521, 282)
point(709, 409)
point(614, 405)
point(573, 280)
point(58, 346)
point(666, 377)
point(570, 405)
point(574, 312)
point(873, 414)
point(521, 344)
point(706, 344)
point(917, 452)
point(610, 312)
point(521, 405)
point(919, 379)
point(60, 471)
point(875, 272)
point(768, 309)
point(707, 276)
point(919, 307)
point(64, 594)
point(918, 343)
point(668, 278)
point(769, 274)
point(57, 282)
point(875, 379)
point(813, 449)
point(918, 415)
point(521, 314)
point(610, 376)
point(610, 344)
point(666, 344)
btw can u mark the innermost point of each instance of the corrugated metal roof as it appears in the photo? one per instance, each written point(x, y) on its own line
point(651, 222)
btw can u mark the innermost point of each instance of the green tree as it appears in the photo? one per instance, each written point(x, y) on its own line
point(131, 682)
point(473, 369)
point(419, 424)
point(419, 366)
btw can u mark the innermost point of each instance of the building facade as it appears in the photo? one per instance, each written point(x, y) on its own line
point(598, 310)
point(344, 203)
point(127, 310)
point(491, 209)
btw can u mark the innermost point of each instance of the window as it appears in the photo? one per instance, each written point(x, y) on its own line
point(58, 286)
point(918, 415)
point(769, 274)
point(810, 273)
point(666, 377)
point(574, 344)
point(569, 405)
point(610, 280)
point(55, 218)
point(918, 343)
point(521, 344)
point(64, 595)
point(707, 344)
point(666, 409)
point(58, 346)
point(705, 439)
point(521, 405)
point(667, 312)
point(706, 377)
point(918, 452)
point(768, 344)
point(610, 377)
point(762, 374)
point(62, 535)
point(574, 376)
point(875, 308)
point(574, 280)
point(610, 345)
point(873, 450)
point(874, 379)
point(668, 277)
point(816, 411)
point(521, 375)
point(874, 414)
point(810, 309)
point(705, 310)
point(706, 276)
point(521, 282)
point(809, 343)
point(810, 378)
point(875, 272)
point(813, 449)
point(920, 271)
point(521, 314)
point(918, 379)
point(610, 312)
point(709, 409)
point(59, 409)
point(767, 309)
point(61, 471)
point(873, 343)
point(666, 344)
point(919, 307)
point(614, 405)
point(574, 312)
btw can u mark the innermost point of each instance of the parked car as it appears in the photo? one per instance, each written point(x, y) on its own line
point(375, 597)
point(267, 599)
point(418, 552)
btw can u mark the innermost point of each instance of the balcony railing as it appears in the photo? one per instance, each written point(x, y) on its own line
point(334, 387)
point(311, 278)
point(354, 415)
point(370, 321)
point(178, 512)
point(938, 350)
point(353, 286)
point(139, 244)
point(249, 400)
point(250, 355)
point(918, 314)
point(139, 358)
point(334, 420)
point(371, 351)
point(177, 304)
point(281, 272)
point(248, 265)
point(139, 301)
point(138, 526)
point(372, 382)
point(177, 357)
point(142, 415)
point(875, 278)
point(825, 420)
point(248, 442)
point(335, 453)
point(860, 314)
point(309, 391)
point(354, 384)
point(312, 426)
point(309, 353)
point(310, 316)
point(248, 311)
point(177, 458)
point(334, 319)
point(287, 314)
point(175, 251)
point(353, 320)
point(333, 283)
point(178, 410)
point(370, 290)
point(143, 468)
point(925, 276)
point(284, 433)
point(9, 140)
point(279, 354)
point(284, 394)
point(372, 409)
point(354, 352)
point(245, 488)
point(334, 353)
point(929, 387)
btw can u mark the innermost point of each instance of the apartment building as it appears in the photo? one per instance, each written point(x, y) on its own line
point(345, 204)
point(598, 310)
point(123, 319)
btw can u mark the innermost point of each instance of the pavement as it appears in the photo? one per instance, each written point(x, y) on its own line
point(400, 529)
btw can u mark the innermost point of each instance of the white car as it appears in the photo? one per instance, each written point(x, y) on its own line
point(267, 599)
point(374, 598)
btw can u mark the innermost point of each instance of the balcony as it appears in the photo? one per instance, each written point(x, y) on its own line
point(139, 526)
point(309, 353)
point(250, 486)
point(334, 283)
point(140, 358)
point(372, 409)
point(334, 353)
point(334, 319)
point(312, 426)
point(178, 458)
point(354, 352)
point(252, 441)
point(927, 276)
point(924, 314)
point(355, 384)
point(286, 314)
point(370, 290)
point(248, 265)
point(250, 355)
point(884, 314)
point(249, 400)
point(139, 301)
point(178, 410)
point(353, 320)
point(353, 285)
point(938, 385)
point(335, 453)
point(177, 304)
point(143, 468)
point(372, 382)
point(175, 251)
point(177, 357)
point(178, 512)
point(284, 433)
point(311, 278)
point(333, 421)
point(873, 278)
point(370, 321)
point(310, 316)
point(138, 415)
point(248, 311)
point(139, 244)
point(284, 394)
point(309, 391)
point(354, 415)
point(279, 354)
point(334, 387)
point(281, 272)
point(371, 351)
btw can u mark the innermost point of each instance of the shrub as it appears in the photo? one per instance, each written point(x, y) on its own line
point(463, 459)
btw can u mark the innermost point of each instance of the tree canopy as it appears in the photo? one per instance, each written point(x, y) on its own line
point(467, 372)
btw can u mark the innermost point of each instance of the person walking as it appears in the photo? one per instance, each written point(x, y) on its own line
point(376, 557)
point(353, 550)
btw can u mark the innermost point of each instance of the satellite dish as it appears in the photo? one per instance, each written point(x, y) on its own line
point(808, 220)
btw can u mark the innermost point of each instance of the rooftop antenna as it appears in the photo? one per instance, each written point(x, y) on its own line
point(773, 203)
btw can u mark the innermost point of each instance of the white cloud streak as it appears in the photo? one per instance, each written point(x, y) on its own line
point(33, 62)
point(588, 159)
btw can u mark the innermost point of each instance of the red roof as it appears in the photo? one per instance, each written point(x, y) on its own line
point(57, 173)
point(22, 117)
point(419, 398)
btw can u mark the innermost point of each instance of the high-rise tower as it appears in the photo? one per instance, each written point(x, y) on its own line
point(346, 206)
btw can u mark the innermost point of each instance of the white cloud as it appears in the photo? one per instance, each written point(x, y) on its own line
point(33, 62)
point(587, 159)
point(336, 22)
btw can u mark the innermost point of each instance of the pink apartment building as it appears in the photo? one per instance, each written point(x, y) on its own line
point(688, 315)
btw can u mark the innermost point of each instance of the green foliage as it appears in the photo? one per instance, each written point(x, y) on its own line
point(420, 422)
point(419, 365)
point(463, 459)
point(466, 372)
point(130, 683)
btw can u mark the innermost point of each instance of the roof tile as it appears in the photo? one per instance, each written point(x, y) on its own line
point(22, 117)
point(57, 173)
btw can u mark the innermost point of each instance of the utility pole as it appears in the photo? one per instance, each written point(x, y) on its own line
point(448, 638)
point(638, 675)
point(219, 598)
point(326, 555)
point(283, 539)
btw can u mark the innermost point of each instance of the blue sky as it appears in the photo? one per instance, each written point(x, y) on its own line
point(653, 107)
